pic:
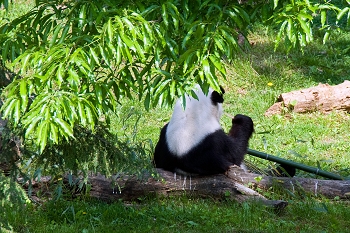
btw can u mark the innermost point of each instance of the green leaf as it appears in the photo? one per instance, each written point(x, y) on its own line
point(303, 40)
point(219, 43)
point(172, 89)
point(81, 114)
point(206, 66)
point(82, 16)
point(94, 56)
point(147, 101)
point(90, 116)
point(110, 31)
point(13, 51)
point(306, 27)
point(55, 34)
point(323, 17)
point(236, 19)
point(216, 62)
point(98, 93)
point(17, 112)
point(105, 56)
point(231, 41)
point(130, 26)
point(42, 133)
point(304, 16)
point(69, 107)
point(165, 15)
point(280, 33)
point(47, 31)
point(53, 133)
point(341, 13)
point(126, 53)
point(5, 50)
point(326, 36)
point(24, 94)
point(8, 106)
point(73, 79)
point(60, 74)
point(265, 12)
point(118, 55)
point(163, 72)
point(64, 34)
point(290, 30)
point(30, 127)
point(25, 60)
point(65, 128)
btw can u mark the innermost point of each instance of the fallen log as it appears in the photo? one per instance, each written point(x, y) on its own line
point(129, 188)
point(327, 188)
point(323, 98)
point(170, 184)
point(236, 184)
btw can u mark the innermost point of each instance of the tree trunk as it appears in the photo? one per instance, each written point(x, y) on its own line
point(6, 76)
point(323, 98)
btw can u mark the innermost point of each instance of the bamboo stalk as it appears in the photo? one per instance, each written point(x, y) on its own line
point(299, 166)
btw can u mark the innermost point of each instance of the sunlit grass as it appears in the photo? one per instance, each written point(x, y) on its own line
point(16, 8)
point(180, 214)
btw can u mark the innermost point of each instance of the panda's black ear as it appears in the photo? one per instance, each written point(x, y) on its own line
point(217, 97)
point(222, 90)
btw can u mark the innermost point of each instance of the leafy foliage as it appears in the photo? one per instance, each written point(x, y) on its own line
point(11, 192)
point(100, 151)
point(12, 199)
point(295, 20)
point(77, 59)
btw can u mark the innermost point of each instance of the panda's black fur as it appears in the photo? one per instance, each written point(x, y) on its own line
point(193, 142)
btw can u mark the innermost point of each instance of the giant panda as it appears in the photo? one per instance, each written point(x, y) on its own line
point(193, 142)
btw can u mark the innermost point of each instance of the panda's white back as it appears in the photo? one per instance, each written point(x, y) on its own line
point(188, 127)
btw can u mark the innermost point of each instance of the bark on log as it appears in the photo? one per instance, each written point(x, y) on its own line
point(323, 98)
point(235, 184)
point(327, 188)
point(216, 186)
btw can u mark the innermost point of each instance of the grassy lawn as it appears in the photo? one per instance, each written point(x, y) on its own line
point(315, 139)
point(180, 214)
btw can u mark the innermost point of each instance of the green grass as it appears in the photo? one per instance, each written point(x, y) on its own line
point(16, 8)
point(180, 214)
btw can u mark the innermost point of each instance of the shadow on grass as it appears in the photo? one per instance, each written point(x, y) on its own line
point(318, 63)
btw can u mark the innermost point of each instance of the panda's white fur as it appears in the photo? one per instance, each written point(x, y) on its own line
point(189, 126)
point(193, 142)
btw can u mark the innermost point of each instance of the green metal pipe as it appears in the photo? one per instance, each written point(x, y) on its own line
point(299, 166)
